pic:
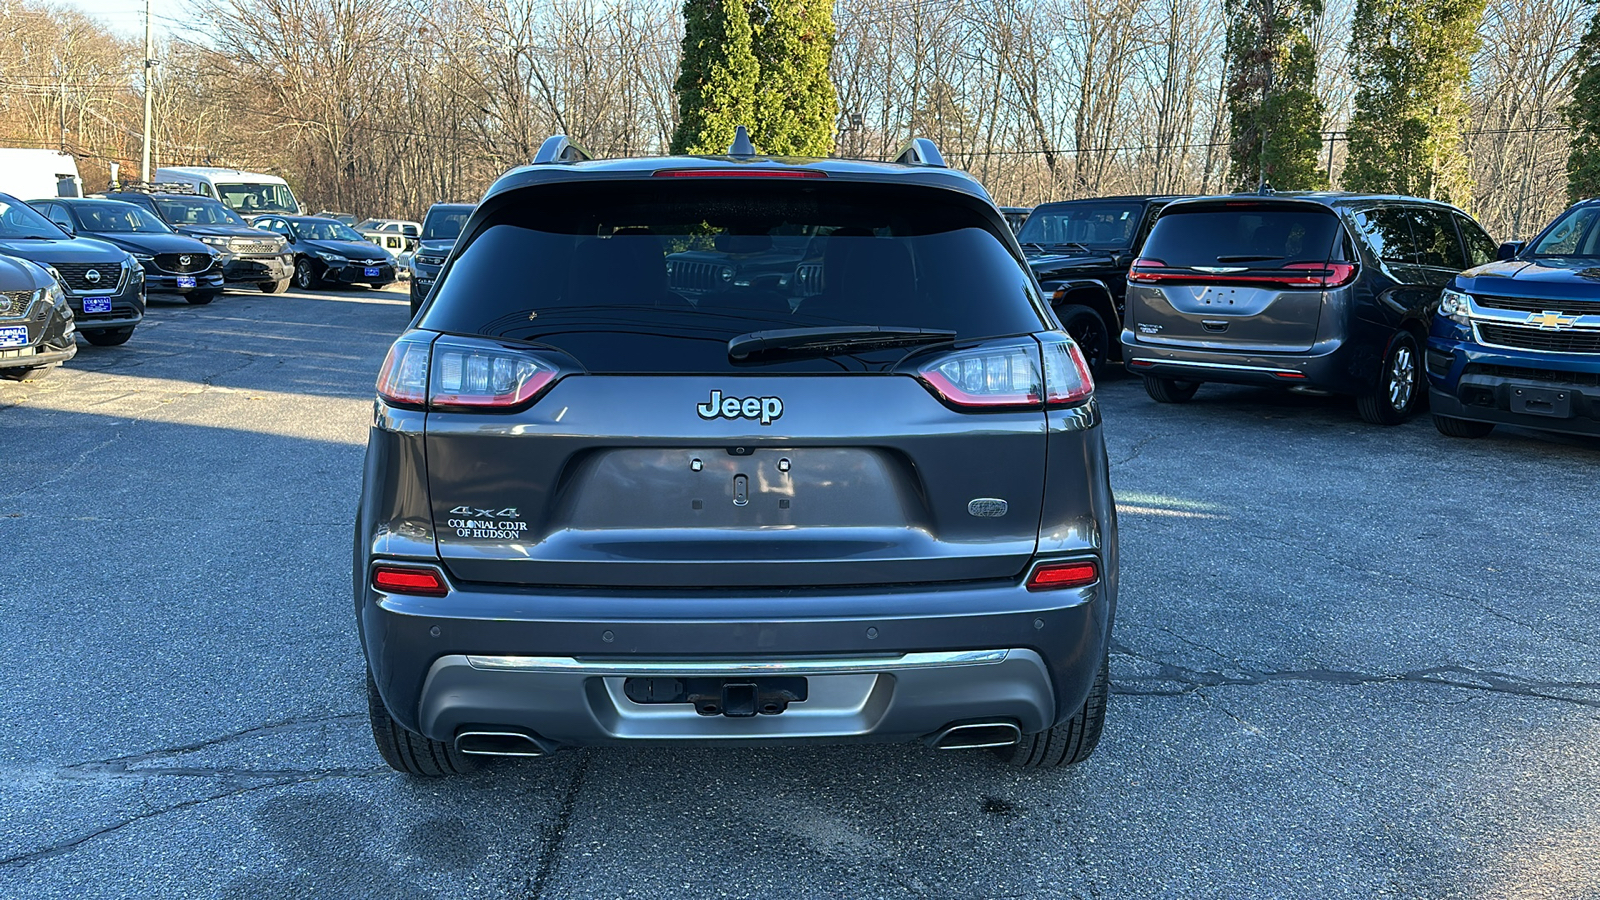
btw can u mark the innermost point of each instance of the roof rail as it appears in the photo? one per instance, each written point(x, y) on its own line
point(558, 148)
point(920, 152)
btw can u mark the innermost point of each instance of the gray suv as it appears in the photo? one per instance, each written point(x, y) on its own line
point(868, 504)
point(1325, 291)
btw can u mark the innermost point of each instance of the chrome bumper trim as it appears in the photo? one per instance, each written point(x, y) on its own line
point(937, 659)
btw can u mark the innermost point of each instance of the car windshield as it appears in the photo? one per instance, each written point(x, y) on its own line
point(19, 220)
point(323, 230)
point(626, 280)
point(118, 218)
point(1098, 226)
point(196, 212)
point(258, 198)
point(1575, 234)
point(444, 224)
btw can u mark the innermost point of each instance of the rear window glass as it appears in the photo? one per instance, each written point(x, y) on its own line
point(1093, 225)
point(1257, 236)
point(444, 222)
point(659, 277)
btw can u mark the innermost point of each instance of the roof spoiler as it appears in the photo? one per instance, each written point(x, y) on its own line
point(558, 148)
point(920, 152)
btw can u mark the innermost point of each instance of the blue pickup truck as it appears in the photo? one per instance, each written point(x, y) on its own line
point(1517, 341)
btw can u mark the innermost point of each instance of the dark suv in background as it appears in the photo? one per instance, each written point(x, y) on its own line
point(1517, 342)
point(440, 228)
point(173, 264)
point(1080, 251)
point(103, 283)
point(250, 256)
point(1322, 291)
point(596, 510)
point(36, 326)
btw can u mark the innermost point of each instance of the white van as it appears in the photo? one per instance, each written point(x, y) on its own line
point(247, 193)
point(37, 174)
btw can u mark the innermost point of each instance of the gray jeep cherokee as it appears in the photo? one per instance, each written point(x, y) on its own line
point(596, 510)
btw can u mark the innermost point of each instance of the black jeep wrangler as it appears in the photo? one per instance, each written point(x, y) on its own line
point(1080, 251)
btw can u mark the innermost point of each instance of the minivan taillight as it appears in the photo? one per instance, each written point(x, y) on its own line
point(1321, 275)
point(457, 373)
point(1140, 272)
point(1009, 376)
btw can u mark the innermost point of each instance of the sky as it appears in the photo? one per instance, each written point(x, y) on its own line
point(127, 16)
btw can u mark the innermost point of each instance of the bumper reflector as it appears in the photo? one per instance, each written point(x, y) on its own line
point(1055, 576)
point(419, 581)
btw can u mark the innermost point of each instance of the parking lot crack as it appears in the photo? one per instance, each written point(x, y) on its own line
point(550, 854)
point(120, 764)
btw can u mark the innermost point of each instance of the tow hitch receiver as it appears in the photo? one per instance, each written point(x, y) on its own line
point(739, 698)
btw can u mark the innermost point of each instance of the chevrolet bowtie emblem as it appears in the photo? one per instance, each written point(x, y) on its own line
point(1550, 320)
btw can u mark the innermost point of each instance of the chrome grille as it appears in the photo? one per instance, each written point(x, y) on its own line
point(247, 245)
point(1524, 338)
point(14, 304)
point(683, 275)
point(176, 262)
point(1535, 305)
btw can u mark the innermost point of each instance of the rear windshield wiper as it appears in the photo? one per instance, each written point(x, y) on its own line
point(1246, 257)
point(832, 340)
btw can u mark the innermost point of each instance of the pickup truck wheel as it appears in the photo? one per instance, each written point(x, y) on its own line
point(1461, 428)
point(1170, 390)
point(1393, 399)
point(275, 287)
point(305, 276)
point(110, 337)
point(1091, 334)
point(1074, 740)
point(409, 752)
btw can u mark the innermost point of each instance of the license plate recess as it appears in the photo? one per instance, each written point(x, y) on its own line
point(733, 697)
point(1542, 402)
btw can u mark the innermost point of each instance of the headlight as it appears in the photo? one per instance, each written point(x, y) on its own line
point(56, 294)
point(439, 261)
point(144, 257)
point(1454, 305)
point(332, 259)
point(215, 240)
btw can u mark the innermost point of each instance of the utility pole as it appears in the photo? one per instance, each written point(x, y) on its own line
point(149, 63)
point(63, 106)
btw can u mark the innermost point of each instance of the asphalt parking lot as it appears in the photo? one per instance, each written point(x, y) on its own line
point(1351, 662)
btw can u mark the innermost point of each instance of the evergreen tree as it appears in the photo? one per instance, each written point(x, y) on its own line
point(1411, 60)
point(718, 76)
point(1271, 93)
point(795, 105)
point(1583, 117)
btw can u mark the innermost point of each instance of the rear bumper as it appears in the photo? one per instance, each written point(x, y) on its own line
point(1327, 369)
point(1470, 381)
point(553, 664)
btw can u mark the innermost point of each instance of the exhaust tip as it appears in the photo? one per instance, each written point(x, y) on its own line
point(498, 743)
point(976, 735)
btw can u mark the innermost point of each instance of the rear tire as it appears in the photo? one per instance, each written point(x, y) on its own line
point(1461, 428)
point(1394, 398)
point(1074, 740)
point(275, 287)
point(1090, 333)
point(409, 752)
point(201, 299)
point(1170, 390)
point(111, 337)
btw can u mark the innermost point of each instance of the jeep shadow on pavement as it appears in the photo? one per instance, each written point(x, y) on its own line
point(1517, 341)
point(602, 508)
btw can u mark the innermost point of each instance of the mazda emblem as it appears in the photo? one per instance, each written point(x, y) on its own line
point(184, 260)
point(92, 276)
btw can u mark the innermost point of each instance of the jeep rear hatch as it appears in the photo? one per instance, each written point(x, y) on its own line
point(706, 384)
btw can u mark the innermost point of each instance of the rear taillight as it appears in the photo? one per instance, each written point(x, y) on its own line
point(1009, 376)
point(418, 580)
point(485, 375)
point(1141, 274)
point(460, 373)
point(1321, 275)
point(1056, 576)
point(403, 380)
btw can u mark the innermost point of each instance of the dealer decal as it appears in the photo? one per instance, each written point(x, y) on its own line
point(487, 524)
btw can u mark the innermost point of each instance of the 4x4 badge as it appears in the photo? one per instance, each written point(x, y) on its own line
point(765, 409)
point(1551, 320)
